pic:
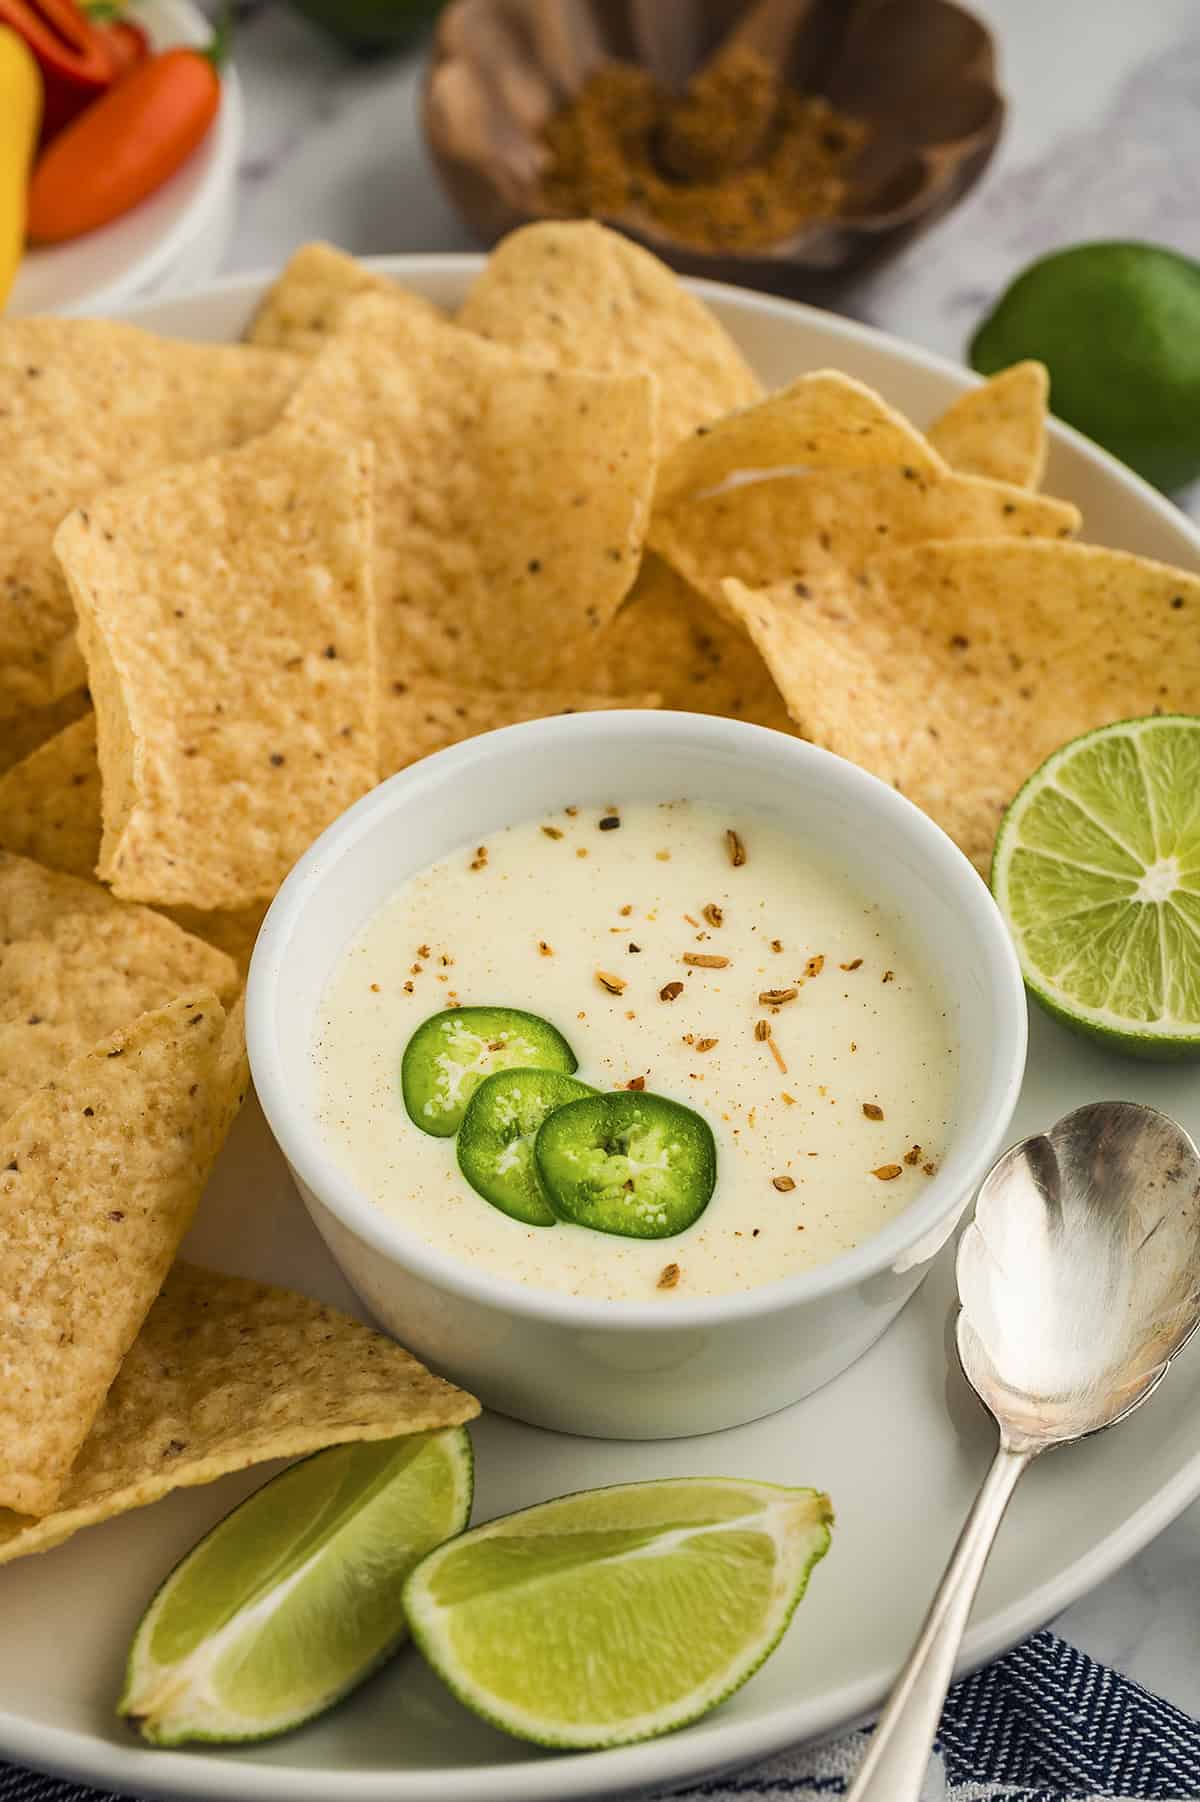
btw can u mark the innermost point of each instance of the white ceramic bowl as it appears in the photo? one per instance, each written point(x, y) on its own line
point(176, 238)
point(635, 1369)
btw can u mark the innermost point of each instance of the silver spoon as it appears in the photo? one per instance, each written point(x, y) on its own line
point(1078, 1281)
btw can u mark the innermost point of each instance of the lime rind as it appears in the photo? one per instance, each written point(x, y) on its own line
point(600, 1590)
point(259, 1636)
point(1097, 870)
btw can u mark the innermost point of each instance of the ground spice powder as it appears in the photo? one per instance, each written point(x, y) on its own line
point(738, 160)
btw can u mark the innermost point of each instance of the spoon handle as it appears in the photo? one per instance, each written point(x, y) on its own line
point(898, 1755)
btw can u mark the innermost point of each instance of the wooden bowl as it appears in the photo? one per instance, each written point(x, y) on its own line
point(920, 73)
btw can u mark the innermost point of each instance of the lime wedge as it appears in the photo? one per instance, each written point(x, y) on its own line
point(1097, 871)
point(616, 1614)
point(295, 1597)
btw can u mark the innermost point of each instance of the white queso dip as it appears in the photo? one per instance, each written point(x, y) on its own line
point(745, 1060)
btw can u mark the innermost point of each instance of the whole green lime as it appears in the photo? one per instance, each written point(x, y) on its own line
point(1118, 327)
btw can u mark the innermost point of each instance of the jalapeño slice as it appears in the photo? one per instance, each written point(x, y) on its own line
point(630, 1163)
point(495, 1141)
point(450, 1054)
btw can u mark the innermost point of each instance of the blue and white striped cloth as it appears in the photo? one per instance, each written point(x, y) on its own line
point(1044, 1724)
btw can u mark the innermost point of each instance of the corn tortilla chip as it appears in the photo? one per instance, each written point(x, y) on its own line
point(50, 802)
point(100, 1173)
point(578, 296)
point(999, 428)
point(306, 302)
point(666, 633)
point(510, 500)
point(418, 719)
point(225, 1374)
point(75, 965)
point(50, 811)
point(226, 614)
point(824, 420)
point(809, 529)
point(85, 403)
point(232, 930)
point(24, 732)
point(963, 666)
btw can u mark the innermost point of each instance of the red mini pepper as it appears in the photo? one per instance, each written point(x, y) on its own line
point(125, 146)
point(126, 41)
point(76, 64)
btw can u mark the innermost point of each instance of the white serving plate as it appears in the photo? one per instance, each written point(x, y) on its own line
point(176, 238)
point(897, 1441)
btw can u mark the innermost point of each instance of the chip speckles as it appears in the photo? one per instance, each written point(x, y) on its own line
point(471, 445)
point(218, 541)
point(552, 831)
point(777, 997)
point(785, 1184)
point(854, 964)
point(669, 1276)
point(670, 991)
point(159, 1111)
point(713, 914)
point(872, 1110)
point(912, 1156)
point(735, 847)
point(887, 1173)
point(814, 965)
point(616, 985)
point(700, 960)
point(225, 1374)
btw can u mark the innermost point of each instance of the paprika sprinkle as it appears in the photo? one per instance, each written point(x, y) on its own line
point(739, 159)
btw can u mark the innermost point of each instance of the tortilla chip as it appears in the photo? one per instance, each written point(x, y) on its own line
point(232, 930)
point(999, 428)
point(24, 732)
point(50, 803)
point(75, 964)
point(85, 403)
point(829, 525)
point(510, 500)
point(304, 305)
point(100, 1173)
point(667, 634)
point(225, 1374)
point(427, 716)
point(50, 811)
point(825, 420)
point(225, 611)
point(961, 667)
point(577, 296)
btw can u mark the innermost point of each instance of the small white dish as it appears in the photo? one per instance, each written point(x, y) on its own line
point(897, 1440)
point(176, 238)
point(627, 1369)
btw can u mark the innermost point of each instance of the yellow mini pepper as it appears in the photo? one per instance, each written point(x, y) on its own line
point(20, 117)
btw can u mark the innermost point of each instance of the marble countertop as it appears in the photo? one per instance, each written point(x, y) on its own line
point(1100, 143)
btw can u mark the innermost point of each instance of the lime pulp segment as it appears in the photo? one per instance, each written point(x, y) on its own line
point(617, 1614)
point(295, 1597)
point(1097, 869)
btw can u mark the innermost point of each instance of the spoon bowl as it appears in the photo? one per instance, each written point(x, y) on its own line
point(1079, 1278)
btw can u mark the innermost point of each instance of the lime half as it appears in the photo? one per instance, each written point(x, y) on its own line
point(1097, 870)
point(616, 1614)
point(296, 1596)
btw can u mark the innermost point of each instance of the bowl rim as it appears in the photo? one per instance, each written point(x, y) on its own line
point(973, 1144)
